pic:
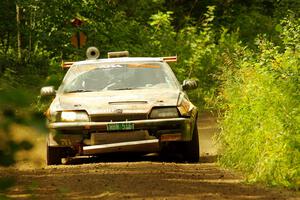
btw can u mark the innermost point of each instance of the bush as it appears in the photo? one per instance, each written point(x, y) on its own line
point(261, 125)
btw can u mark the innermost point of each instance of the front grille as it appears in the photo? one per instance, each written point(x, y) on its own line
point(119, 117)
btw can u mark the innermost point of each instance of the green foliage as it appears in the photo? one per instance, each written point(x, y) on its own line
point(14, 108)
point(202, 58)
point(289, 30)
point(244, 55)
point(162, 34)
point(195, 47)
point(261, 125)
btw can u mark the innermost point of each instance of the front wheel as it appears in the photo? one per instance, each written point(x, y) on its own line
point(54, 155)
point(191, 150)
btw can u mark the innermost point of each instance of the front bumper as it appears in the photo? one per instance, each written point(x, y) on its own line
point(73, 133)
point(183, 123)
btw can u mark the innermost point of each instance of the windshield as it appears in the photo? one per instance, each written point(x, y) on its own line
point(118, 76)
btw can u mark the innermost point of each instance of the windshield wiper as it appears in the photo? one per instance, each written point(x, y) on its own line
point(126, 88)
point(79, 90)
point(123, 88)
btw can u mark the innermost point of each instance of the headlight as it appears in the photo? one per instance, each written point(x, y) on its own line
point(74, 116)
point(164, 113)
point(185, 106)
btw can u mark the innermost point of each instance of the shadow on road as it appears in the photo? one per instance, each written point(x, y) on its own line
point(130, 157)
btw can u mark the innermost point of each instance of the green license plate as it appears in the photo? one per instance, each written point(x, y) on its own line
point(120, 127)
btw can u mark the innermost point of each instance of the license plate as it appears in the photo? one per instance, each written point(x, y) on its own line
point(120, 127)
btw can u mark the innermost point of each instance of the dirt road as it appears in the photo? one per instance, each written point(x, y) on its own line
point(134, 177)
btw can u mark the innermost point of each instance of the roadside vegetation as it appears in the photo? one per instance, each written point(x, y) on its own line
point(245, 56)
point(259, 93)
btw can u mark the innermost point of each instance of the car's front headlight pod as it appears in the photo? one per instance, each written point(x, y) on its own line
point(73, 116)
point(185, 107)
point(169, 112)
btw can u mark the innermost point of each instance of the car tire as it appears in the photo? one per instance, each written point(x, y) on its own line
point(54, 155)
point(191, 150)
point(169, 150)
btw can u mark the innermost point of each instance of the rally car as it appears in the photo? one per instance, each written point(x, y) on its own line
point(121, 104)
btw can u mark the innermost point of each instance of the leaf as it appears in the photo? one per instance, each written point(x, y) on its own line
point(278, 28)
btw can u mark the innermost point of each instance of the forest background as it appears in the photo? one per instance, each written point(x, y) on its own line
point(245, 55)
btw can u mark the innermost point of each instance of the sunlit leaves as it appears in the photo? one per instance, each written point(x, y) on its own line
point(261, 124)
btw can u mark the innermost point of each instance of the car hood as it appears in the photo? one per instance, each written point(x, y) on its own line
point(108, 102)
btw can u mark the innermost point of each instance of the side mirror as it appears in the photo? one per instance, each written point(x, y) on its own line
point(48, 91)
point(189, 84)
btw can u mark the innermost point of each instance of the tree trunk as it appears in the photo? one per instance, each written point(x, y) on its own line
point(18, 31)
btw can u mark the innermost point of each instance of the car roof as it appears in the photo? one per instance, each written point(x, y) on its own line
point(118, 60)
